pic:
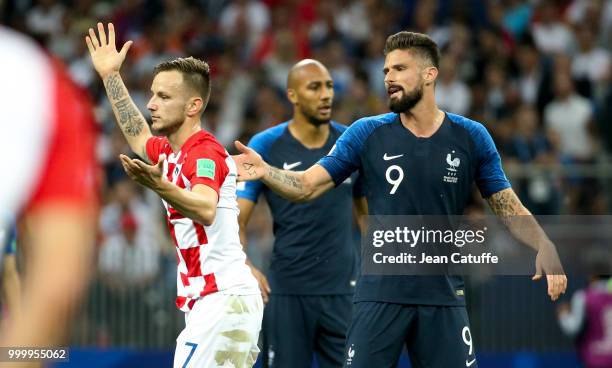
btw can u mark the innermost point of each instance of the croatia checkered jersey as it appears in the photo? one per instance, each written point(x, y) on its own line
point(210, 258)
point(48, 143)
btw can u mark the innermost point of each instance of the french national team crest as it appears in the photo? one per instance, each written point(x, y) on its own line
point(350, 354)
point(451, 171)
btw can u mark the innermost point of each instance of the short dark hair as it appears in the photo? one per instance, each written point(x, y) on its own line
point(196, 73)
point(422, 44)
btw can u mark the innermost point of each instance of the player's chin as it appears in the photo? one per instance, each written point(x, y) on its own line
point(157, 124)
point(324, 118)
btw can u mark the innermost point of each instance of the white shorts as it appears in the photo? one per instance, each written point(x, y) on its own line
point(220, 331)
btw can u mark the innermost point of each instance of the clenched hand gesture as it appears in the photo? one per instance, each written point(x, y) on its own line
point(104, 55)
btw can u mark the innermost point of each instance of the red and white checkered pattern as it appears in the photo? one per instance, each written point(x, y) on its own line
point(210, 258)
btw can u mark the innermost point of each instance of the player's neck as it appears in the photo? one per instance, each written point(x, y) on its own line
point(182, 134)
point(310, 135)
point(424, 119)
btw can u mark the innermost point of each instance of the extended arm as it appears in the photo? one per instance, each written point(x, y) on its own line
point(296, 186)
point(107, 62)
point(524, 227)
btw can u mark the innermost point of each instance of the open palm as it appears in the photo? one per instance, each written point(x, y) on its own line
point(104, 55)
point(249, 163)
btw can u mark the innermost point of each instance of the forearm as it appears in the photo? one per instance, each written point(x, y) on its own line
point(288, 184)
point(519, 221)
point(131, 122)
point(195, 206)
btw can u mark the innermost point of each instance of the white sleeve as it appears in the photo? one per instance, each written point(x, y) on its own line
point(571, 323)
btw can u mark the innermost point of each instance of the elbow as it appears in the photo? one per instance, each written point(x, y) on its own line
point(308, 193)
point(206, 217)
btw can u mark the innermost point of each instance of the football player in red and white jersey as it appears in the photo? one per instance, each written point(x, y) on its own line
point(48, 185)
point(196, 180)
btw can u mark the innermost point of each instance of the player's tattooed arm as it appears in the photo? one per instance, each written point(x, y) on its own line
point(508, 208)
point(107, 62)
point(290, 178)
point(298, 186)
point(524, 227)
point(130, 120)
point(506, 204)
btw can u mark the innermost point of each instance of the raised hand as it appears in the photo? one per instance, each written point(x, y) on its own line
point(249, 163)
point(104, 55)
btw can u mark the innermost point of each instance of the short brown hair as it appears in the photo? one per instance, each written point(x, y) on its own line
point(418, 42)
point(196, 73)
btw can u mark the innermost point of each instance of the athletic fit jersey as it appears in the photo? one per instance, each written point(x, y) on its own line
point(407, 175)
point(210, 258)
point(314, 252)
point(48, 141)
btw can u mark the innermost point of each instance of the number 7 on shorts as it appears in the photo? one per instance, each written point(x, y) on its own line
point(193, 347)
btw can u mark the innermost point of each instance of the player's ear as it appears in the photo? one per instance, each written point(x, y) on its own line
point(292, 95)
point(430, 74)
point(195, 106)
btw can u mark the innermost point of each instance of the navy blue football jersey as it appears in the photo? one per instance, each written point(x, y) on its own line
point(407, 175)
point(314, 252)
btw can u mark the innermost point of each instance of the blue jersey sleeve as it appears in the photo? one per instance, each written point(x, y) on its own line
point(261, 143)
point(344, 158)
point(490, 177)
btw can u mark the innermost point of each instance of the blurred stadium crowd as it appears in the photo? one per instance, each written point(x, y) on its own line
point(536, 73)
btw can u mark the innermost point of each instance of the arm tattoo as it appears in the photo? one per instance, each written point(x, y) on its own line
point(284, 177)
point(505, 204)
point(114, 87)
point(129, 118)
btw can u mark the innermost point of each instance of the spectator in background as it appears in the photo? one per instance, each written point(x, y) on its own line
point(550, 33)
point(532, 81)
point(587, 319)
point(129, 255)
point(569, 116)
point(244, 21)
point(129, 263)
point(359, 101)
point(45, 18)
point(591, 63)
point(374, 62)
point(529, 145)
point(452, 94)
point(517, 15)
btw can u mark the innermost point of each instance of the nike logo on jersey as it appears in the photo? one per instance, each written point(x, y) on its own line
point(287, 166)
point(469, 363)
point(387, 158)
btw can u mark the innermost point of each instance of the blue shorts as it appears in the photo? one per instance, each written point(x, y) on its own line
point(298, 327)
point(435, 336)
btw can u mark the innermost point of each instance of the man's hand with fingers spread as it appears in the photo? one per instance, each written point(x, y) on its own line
point(104, 55)
point(249, 163)
point(150, 176)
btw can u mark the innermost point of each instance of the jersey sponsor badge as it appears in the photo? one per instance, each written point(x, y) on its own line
point(205, 168)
